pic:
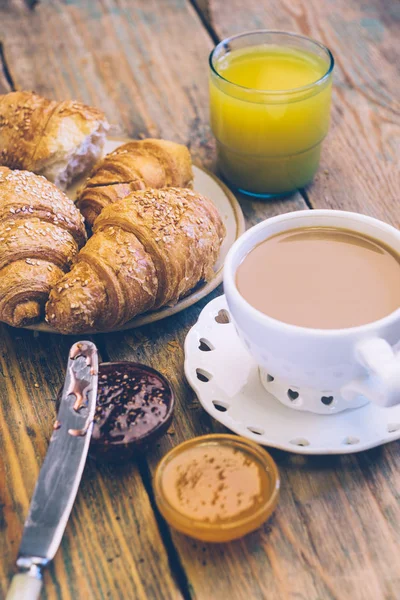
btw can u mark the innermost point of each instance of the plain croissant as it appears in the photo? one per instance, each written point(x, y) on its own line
point(134, 166)
point(60, 140)
point(147, 250)
point(41, 231)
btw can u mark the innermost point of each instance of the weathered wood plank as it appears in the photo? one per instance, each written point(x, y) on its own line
point(107, 55)
point(335, 534)
point(360, 169)
point(330, 517)
point(131, 59)
point(323, 541)
point(112, 547)
point(120, 551)
point(4, 83)
point(145, 67)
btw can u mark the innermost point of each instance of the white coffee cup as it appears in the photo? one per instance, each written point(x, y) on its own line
point(320, 370)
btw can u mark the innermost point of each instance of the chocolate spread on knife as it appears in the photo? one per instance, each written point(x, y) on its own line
point(80, 432)
point(80, 387)
point(85, 350)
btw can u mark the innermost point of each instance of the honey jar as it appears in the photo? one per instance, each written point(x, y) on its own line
point(216, 487)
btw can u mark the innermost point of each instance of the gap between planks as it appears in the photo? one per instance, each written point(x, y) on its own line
point(175, 564)
point(177, 571)
point(176, 567)
point(7, 84)
point(201, 8)
point(31, 3)
point(5, 72)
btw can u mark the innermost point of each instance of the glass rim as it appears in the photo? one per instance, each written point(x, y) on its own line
point(291, 34)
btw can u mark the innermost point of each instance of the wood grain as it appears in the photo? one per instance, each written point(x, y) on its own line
point(145, 67)
point(132, 59)
point(112, 545)
point(335, 533)
point(337, 522)
point(107, 55)
point(4, 74)
point(360, 168)
point(331, 535)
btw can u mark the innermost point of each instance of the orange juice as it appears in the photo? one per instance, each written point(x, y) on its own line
point(270, 113)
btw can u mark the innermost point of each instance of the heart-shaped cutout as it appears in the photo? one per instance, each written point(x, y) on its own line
point(256, 430)
point(223, 316)
point(292, 395)
point(205, 345)
point(327, 400)
point(300, 442)
point(221, 406)
point(203, 375)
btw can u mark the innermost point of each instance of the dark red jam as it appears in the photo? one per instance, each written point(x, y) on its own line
point(134, 407)
point(133, 403)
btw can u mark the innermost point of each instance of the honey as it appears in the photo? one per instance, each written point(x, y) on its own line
point(217, 487)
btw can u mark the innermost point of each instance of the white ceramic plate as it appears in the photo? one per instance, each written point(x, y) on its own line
point(209, 185)
point(234, 396)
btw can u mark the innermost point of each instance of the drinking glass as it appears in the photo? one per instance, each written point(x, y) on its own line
point(269, 140)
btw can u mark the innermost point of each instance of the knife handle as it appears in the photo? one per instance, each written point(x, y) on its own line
point(25, 586)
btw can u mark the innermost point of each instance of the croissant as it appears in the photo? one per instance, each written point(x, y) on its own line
point(40, 233)
point(60, 140)
point(134, 166)
point(147, 250)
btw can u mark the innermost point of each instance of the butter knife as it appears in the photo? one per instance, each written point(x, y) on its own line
point(60, 474)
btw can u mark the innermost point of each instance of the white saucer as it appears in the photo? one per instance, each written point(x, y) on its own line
point(235, 397)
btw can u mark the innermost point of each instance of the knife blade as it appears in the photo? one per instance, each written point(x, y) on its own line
point(61, 472)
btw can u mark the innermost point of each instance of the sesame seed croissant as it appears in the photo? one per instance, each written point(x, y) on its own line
point(41, 231)
point(137, 165)
point(147, 250)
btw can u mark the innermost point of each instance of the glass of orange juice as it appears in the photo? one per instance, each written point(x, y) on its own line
point(270, 95)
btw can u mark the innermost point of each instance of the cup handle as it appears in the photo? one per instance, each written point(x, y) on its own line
point(382, 383)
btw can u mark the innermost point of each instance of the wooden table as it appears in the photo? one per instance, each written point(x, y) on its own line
point(336, 532)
